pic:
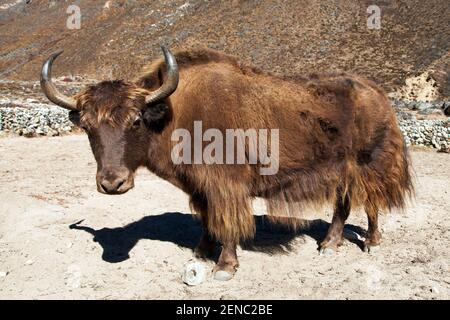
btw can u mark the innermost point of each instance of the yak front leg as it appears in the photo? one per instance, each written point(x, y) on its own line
point(230, 220)
point(207, 246)
point(227, 264)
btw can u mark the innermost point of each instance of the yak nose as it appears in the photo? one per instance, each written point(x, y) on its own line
point(112, 186)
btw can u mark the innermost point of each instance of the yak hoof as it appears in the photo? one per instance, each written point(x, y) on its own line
point(326, 251)
point(222, 275)
point(370, 248)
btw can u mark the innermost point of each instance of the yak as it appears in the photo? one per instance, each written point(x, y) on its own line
point(339, 143)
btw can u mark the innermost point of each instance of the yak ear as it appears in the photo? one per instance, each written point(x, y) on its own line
point(155, 113)
point(74, 117)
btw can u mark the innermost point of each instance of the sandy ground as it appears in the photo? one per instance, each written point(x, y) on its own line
point(135, 245)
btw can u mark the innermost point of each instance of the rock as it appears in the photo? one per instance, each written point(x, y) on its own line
point(3, 274)
point(405, 115)
point(430, 111)
point(447, 110)
point(34, 119)
point(73, 276)
point(425, 132)
point(194, 273)
point(444, 149)
point(29, 262)
point(422, 105)
point(435, 289)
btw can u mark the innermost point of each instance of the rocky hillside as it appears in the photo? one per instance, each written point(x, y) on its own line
point(409, 55)
point(117, 37)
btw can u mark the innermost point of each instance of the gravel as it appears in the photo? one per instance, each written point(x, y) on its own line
point(37, 119)
point(30, 117)
point(429, 133)
point(433, 133)
point(423, 107)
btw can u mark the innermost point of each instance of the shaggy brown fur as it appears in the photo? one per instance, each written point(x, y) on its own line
point(336, 130)
point(113, 102)
point(339, 141)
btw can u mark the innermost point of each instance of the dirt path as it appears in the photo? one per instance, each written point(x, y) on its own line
point(135, 245)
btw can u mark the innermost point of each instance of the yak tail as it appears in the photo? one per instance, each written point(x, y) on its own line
point(384, 181)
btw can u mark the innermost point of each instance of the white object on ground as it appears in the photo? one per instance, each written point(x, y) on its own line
point(194, 273)
point(29, 262)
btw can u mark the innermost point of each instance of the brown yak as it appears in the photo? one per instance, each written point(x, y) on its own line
point(339, 143)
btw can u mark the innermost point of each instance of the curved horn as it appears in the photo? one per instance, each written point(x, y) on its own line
point(171, 83)
point(49, 88)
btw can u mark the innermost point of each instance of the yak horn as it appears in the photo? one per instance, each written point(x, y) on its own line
point(171, 82)
point(49, 88)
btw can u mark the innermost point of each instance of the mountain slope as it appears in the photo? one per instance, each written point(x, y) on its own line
point(293, 37)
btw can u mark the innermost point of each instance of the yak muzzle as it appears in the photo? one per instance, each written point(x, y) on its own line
point(109, 182)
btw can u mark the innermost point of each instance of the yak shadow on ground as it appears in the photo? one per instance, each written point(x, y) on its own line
point(185, 231)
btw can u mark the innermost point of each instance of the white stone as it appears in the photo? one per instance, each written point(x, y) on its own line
point(194, 273)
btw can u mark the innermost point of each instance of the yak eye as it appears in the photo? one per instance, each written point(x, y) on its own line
point(137, 123)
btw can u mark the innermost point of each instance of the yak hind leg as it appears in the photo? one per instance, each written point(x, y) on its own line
point(334, 237)
point(373, 236)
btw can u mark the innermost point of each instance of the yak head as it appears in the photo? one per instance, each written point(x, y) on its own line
point(120, 119)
